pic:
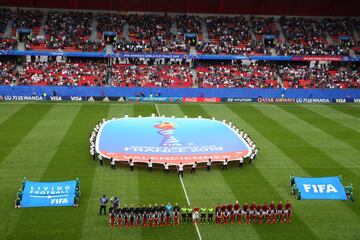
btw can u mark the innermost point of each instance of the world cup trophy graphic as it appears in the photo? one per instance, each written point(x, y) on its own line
point(167, 129)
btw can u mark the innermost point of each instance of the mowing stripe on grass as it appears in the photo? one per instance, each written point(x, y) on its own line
point(156, 187)
point(326, 124)
point(334, 148)
point(71, 160)
point(9, 109)
point(35, 150)
point(250, 184)
point(120, 182)
point(208, 189)
point(339, 117)
point(188, 202)
point(311, 159)
point(18, 125)
point(275, 166)
point(211, 188)
point(351, 110)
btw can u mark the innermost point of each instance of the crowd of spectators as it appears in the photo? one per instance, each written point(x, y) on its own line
point(7, 43)
point(155, 45)
point(237, 76)
point(188, 24)
point(69, 29)
point(233, 47)
point(175, 74)
point(338, 27)
point(143, 75)
point(304, 76)
point(145, 27)
point(312, 48)
point(110, 22)
point(228, 29)
point(5, 17)
point(7, 72)
point(264, 26)
point(62, 74)
point(27, 18)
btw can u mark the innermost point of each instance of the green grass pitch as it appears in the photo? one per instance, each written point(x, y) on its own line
point(49, 142)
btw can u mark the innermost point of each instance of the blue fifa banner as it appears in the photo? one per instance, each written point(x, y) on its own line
point(321, 188)
point(48, 194)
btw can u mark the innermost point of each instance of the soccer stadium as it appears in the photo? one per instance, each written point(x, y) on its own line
point(179, 119)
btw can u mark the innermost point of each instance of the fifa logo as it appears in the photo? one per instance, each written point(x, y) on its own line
point(166, 130)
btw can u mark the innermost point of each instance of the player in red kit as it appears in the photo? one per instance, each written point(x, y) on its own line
point(246, 212)
point(223, 207)
point(280, 212)
point(156, 219)
point(259, 213)
point(230, 208)
point(112, 216)
point(252, 212)
point(218, 216)
point(288, 211)
point(176, 217)
point(272, 212)
point(226, 215)
point(237, 210)
point(265, 209)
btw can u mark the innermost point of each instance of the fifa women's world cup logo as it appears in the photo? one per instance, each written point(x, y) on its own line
point(167, 129)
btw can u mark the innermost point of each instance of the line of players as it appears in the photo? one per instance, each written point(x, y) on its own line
point(155, 216)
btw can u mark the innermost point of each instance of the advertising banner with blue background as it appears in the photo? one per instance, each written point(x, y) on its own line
point(321, 188)
point(48, 194)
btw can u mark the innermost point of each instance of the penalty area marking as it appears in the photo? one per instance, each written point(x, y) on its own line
point(188, 202)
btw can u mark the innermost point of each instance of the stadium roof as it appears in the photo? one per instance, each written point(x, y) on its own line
point(256, 7)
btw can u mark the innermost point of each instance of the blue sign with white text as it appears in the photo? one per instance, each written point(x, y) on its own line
point(321, 188)
point(48, 194)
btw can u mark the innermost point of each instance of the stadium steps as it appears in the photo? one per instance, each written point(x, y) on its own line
point(193, 50)
point(174, 29)
point(126, 31)
point(329, 39)
point(278, 79)
point(281, 33)
point(194, 74)
point(356, 34)
point(93, 29)
point(273, 52)
point(204, 31)
point(42, 31)
point(21, 46)
point(109, 48)
point(251, 28)
point(7, 29)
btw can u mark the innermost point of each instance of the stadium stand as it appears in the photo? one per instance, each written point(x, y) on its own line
point(251, 76)
point(130, 75)
point(161, 33)
point(87, 73)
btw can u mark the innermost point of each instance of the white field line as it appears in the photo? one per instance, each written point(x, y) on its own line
point(183, 187)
